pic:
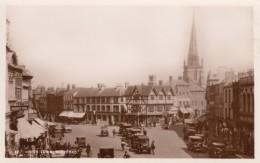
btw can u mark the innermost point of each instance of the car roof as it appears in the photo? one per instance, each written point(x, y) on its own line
point(218, 144)
point(106, 147)
point(142, 137)
point(195, 137)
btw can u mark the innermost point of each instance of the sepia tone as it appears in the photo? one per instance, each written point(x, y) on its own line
point(201, 112)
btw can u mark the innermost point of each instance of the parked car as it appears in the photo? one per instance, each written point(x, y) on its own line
point(61, 145)
point(142, 145)
point(124, 127)
point(66, 128)
point(134, 140)
point(188, 132)
point(104, 131)
point(216, 150)
point(57, 133)
point(81, 141)
point(106, 152)
point(195, 143)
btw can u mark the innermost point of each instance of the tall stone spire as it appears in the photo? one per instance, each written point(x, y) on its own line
point(193, 57)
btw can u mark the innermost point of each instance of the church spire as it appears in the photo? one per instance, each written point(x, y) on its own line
point(193, 57)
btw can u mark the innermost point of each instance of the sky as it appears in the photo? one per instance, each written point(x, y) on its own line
point(87, 45)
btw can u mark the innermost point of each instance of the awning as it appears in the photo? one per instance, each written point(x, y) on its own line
point(76, 115)
point(26, 130)
point(41, 122)
point(190, 110)
point(184, 111)
point(42, 129)
point(65, 113)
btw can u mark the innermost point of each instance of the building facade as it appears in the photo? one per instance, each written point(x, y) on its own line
point(101, 105)
point(150, 104)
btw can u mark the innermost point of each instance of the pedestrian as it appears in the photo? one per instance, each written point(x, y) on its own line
point(152, 147)
point(114, 132)
point(126, 155)
point(88, 149)
point(123, 145)
point(145, 132)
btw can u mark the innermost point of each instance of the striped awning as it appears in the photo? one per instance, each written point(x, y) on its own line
point(184, 111)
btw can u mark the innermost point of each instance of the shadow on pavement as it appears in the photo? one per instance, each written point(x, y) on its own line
point(178, 129)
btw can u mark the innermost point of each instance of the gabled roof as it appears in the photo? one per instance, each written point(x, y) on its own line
point(61, 92)
point(144, 90)
point(178, 82)
point(72, 91)
point(194, 87)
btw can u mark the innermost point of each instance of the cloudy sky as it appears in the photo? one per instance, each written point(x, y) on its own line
point(87, 45)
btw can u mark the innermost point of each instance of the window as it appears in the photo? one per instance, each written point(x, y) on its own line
point(108, 100)
point(167, 108)
point(98, 100)
point(160, 97)
point(115, 100)
point(93, 107)
point(88, 108)
point(195, 103)
point(88, 100)
point(195, 75)
point(108, 108)
point(123, 109)
point(169, 97)
point(103, 100)
point(159, 108)
point(201, 103)
point(248, 102)
point(98, 108)
point(93, 100)
point(152, 97)
point(103, 108)
point(122, 99)
point(115, 108)
point(151, 108)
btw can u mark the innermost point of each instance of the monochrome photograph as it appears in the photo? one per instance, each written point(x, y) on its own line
point(129, 81)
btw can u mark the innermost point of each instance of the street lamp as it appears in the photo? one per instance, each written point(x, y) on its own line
point(94, 116)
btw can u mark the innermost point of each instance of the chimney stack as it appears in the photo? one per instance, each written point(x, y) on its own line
point(160, 83)
point(126, 84)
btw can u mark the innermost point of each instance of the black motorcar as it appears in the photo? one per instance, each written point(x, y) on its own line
point(104, 131)
point(216, 150)
point(106, 152)
point(195, 143)
point(142, 145)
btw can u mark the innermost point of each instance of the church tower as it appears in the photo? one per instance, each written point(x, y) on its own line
point(193, 70)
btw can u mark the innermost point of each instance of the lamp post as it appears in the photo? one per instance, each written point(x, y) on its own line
point(94, 113)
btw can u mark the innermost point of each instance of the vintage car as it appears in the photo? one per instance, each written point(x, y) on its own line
point(81, 141)
point(216, 150)
point(106, 152)
point(195, 143)
point(104, 131)
point(132, 132)
point(61, 145)
point(66, 128)
point(73, 152)
point(142, 145)
point(124, 127)
point(57, 133)
point(134, 140)
point(165, 126)
point(121, 127)
point(188, 132)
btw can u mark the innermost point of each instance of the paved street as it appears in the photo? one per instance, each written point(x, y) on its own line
point(169, 143)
